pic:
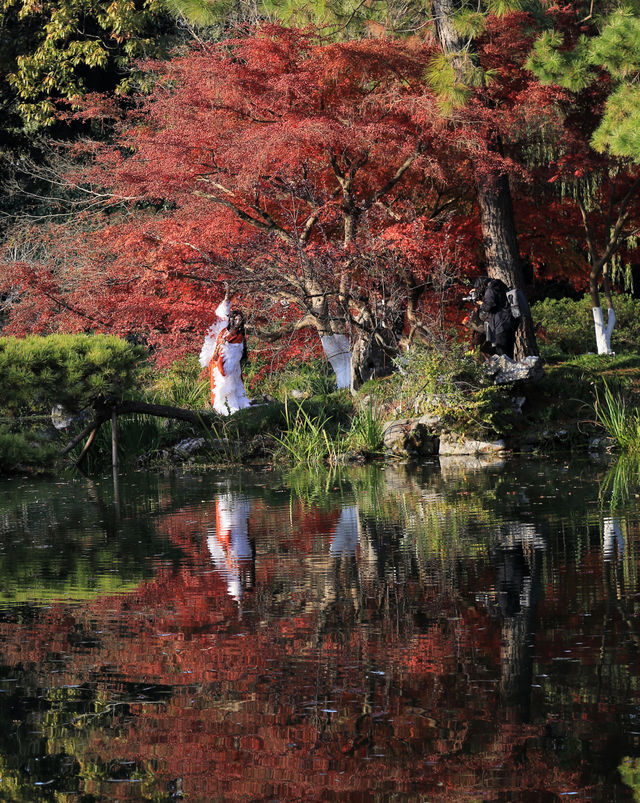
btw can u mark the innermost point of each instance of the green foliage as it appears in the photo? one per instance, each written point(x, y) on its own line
point(499, 8)
point(19, 451)
point(629, 770)
point(182, 386)
point(619, 129)
point(137, 435)
point(620, 422)
point(74, 47)
point(312, 378)
point(554, 65)
point(424, 375)
point(443, 76)
point(567, 326)
point(565, 397)
point(37, 373)
point(470, 22)
point(325, 430)
point(338, 19)
point(365, 433)
point(305, 439)
point(451, 385)
point(616, 49)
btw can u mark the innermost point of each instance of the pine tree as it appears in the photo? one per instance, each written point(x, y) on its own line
point(610, 51)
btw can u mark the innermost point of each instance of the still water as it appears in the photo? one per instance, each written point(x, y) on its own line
point(451, 633)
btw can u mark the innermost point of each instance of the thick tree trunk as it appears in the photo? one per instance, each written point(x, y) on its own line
point(372, 357)
point(499, 231)
point(501, 250)
point(337, 349)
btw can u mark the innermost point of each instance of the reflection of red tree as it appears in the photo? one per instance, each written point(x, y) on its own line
point(268, 706)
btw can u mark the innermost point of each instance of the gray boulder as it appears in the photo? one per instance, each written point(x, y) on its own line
point(453, 445)
point(409, 438)
point(503, 370)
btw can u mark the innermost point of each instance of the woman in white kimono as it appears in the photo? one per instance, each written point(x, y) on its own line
point(223, 350)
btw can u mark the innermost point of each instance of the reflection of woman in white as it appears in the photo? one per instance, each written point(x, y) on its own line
point(223, 351)
point(230, 547)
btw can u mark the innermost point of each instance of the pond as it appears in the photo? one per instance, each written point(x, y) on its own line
point(453, 632)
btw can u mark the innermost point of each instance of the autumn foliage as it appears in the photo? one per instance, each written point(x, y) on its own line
point(324, 183)
point(320, 180)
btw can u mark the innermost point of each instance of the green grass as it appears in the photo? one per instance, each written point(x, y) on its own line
point(365, 433)
point(305, 439)
point(620, 422)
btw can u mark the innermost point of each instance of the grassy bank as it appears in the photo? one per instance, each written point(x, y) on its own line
point(300, 418)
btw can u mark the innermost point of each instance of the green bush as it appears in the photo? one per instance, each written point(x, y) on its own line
point(312, 378)
point(19, 452)
point(38, 373)
point(566, 326)
point(451, 385)
point(72, 370)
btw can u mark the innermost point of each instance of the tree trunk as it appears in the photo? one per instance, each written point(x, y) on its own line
point(501, 250)
point(372, 357)
point(603, 331)
point(337, 349)
point(105, 412)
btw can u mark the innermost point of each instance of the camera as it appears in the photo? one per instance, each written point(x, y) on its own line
point(471, 297)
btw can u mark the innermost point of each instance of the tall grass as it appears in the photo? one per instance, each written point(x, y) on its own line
point(621, 482)
point(182, 386)
point(310, 439)
point(621, 423)
point(365, 434)
point(305, 439)
point(137, 434)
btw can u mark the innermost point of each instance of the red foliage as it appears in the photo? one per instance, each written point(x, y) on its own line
point(318, 179)
point(301, 172)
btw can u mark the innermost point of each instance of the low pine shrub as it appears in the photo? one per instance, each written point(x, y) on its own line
point(36, 373)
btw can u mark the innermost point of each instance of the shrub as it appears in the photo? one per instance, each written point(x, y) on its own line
point(451, 385)
point(38, 373)
point(183, 385)
point(312, 378)
point(567, 326)
point(18, 452)
point(72, 370)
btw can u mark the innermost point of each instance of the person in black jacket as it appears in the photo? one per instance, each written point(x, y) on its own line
point(495, 310)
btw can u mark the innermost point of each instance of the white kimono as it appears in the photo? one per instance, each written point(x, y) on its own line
point(225, 373)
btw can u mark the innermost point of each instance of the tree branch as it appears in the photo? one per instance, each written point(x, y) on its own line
point(267, 224)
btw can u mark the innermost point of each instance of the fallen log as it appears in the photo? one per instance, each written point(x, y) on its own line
point(105, 410)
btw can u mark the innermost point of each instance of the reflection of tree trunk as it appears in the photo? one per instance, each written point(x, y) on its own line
point(519, 585)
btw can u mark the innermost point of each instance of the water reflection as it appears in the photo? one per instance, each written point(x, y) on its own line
point(231, 550)
point(458, 634)
point(517, 556)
